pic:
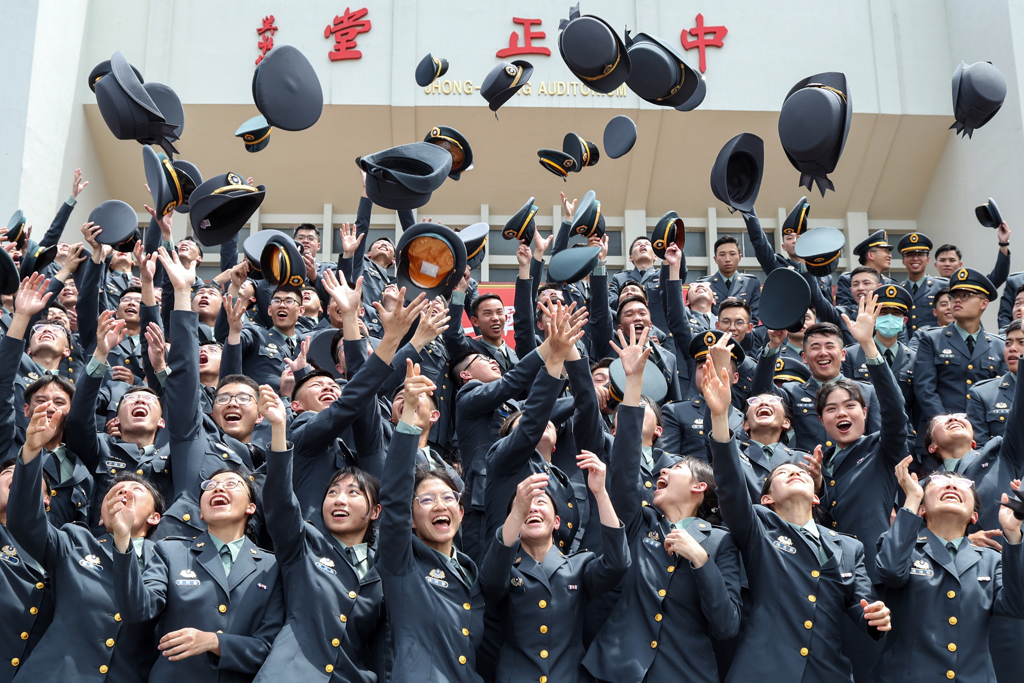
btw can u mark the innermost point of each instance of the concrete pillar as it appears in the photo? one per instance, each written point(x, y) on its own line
point(485, 265)
point(327, 243)
point(712, 238)
point(635, 225)
point(856, 232)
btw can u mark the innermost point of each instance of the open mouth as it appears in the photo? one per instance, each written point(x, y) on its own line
point(823, 363)
point(327, 396)
point(534, 520)
point(232, 416)
point(339, 514)
point(952, 425)
point(496, 327)
point(203, 303)
point(951, 497)
point(662, 483)
point(203, 358)
point(282, 315)
point(441, 522)
point(220, 500)
point(844, 426)
point(765, 411)
point(140, 411)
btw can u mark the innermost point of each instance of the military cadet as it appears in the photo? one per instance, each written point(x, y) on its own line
point(335, 612)
point(435, 605)
point(530, 322)
point(823, 354)
point(989, 403)
point(140, 417)
point(734, 318)
point(949, 259)
point(942, 308)
point(206, 304)
point(539, 592)
point(686, 422)
point(428, 455)
point(684, 323)
point(915, 248)
point(944, 592)
point(683, 585)
point(876, 253)
point(730, 283)
point(793, 226)
point(654, 458)
point(308, 235)
point(216, 593)
point(895, 302)
point(803, 576)
point(90, 637)
point(28, 610)
point(863, 280)
point(643, 273)
point(487, 314)
point(951, 360)
point(1011, 303)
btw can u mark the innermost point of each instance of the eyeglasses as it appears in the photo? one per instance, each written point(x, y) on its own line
point(48, 327)
point(131, 299)
point(226, 484)
point(278, 301)
point(240, 399)
point(428, 500)
point(942, 419)
point(947, 478)
point(770, 400)
point(961, 295)
point(140, 397)
point(489, 361)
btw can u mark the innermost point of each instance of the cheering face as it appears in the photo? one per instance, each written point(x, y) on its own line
point(309, 240)
point(916, 261)
point(209, 358)
point(1013, 349)
point(641, 251)
point(824, 355)
point(631, 289)
point(490, 318)
point(943, 308)
point(789, 243)
point(311, 303)
point(700, 292)
point(69, 295)
point(425, 413)
point(58, 399)
point(541, 521)
point(223, 505)
point(674, 485)
point(945, 494)
point(948, 263)
point(734, 320)
point(550, 437)
point(482, 368)
point(601, 377)
point(950, 432)
point(382, 249)
point(436, 514)
point(346, 509)
point(317, 394)
point(6, 477)
point(634, 315)
point(47, 338)
point(207, 302)
point(140, 411)
point(843, 417)
point(145, 506)
point(863, 284)
point(235, 418)
point(789, 482)
point(128, 308)
point(188, 251)
point(285, 309)
point(766, 412)
point(880, 257)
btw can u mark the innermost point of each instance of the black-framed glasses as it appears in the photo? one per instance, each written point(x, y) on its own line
point(242, 399)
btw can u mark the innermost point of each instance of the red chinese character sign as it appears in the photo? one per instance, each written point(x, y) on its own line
point(701, 41)
point(266, 34)
point(528, 48)
point(345, 29)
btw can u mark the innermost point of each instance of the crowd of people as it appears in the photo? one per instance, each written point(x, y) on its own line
point(185, 495)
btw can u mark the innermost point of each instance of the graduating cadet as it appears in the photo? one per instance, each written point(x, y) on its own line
point(90, 637)
point(876, 253)
point(643, 273)
point(683, 586)
point(803, 577)
point(541, 593)
point(653, 458)
point(217, 598)
point(944, 591)
point(1012, 301)
point(335, 618)
point(728, 282)
point(915, 249)
point(988, 404)
point(435, 607)
point(426, 415)
point(487, 314)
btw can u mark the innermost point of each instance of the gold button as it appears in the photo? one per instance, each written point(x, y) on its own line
point(654, 644)
point(647, 484)
point(543, 604)
point(15, 662)
point(970, 367)
point(352, 594)
point(815, 573)
point(465, 605)
point(33, 610)
point(543, 679)
point(343, 618)
point(40, 585)
point(947, 362)
point(950, 675)
point(543, 654)
point(808, 624)
point(805, 410)
point(832, 482)
point(701, 432)
point(53, 492)
point(139, 472)
point(804, 651)
point(224, 455)
point(570, 506)
point(329, 668)
point(117, 617)
point(113, 471)
point(110, 642)
point(671, 569)
point(335, 642)
point(951, 647)
point(462, 659)
point(103, 669)
point(1001, 418)
point(465, 631)
point(543, 628)
point(969, 381)
point(952, 621)
point(222, 609)
point(570, 525)
point(24, 636)
point(662, 592)
point(812, 598)
point(186, 517)
point(657, 617)
point(951, 594)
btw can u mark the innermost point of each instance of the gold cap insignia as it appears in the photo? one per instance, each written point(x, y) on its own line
point(234, 179)
point(511, 70)
point(890, 292)
point(961, 274)
point(914, 238)
point(9, 550)
point(709, 338)
point(779, 364)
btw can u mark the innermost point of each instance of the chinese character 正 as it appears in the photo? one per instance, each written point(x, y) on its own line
point(345, 29)
point(528, 47)
point(266, 33)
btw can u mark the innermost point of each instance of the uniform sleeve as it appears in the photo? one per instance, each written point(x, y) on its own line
point(10, 348)
point(141, 596)
point(56, 228)
point(862, 590)
point(733, 498)
point(26, 517)
point(281, 508)
point(1009, 582)
point(246, 654)
point(394, 545)
point(486, 397)
point(454, 337)
point(181, 387)
point(890, 400)
point(1012, 448)
point(718, 581)
point(755, 298)
point(523, 324)
point(676, 314)
point(509, 454)
point(764, 374)
point(81, 421)
point(587, 427)
point(624, 468)
point(605, 571)
point(600, 315)
point(1007, 299)
point(1001, 270)
point(88, 306)
point(496, 569)
point(895, 546)
point(762, 250)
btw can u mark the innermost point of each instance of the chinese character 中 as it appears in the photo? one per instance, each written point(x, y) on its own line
point(266, 34)
point(345, 29)
point(528, 47)
point(702, 41)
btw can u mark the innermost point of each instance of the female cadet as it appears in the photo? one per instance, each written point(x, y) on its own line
point(683, 586)
point(944, 591)
point(803, 577)
point(435, 607)
point(333, 592)
point(541, 594)
point(218, 598)
point(89, 640)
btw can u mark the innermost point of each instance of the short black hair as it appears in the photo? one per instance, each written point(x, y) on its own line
point(306, 226)
point(193, 240)
point(289, 289)
point(628, 300)
point(159, 503)
point(733, 302)
point(53, 303)
point(945, 292)
point(949, 247)
point(475, 306)
point(336, 340)
point(316, 372)
point(823, 329)
point(632, 244)
point(45, 380)
point(138, 390)
point(1014, 326)
point(647, 402)
point(1017, 292)
point(249, 481)
point(860, 270)
point(213, 286)
point(238, 379)
point(725, 239)
point(457, 361)
point(602, 364)
point(424, 473)
point(133, 289)
point(368, 485)
point(826, 389)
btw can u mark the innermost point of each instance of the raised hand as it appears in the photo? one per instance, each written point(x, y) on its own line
point(90, 232)
point(812, 463)
point(634, 354)
point(540, 244)
point(109, 333)
point(716, 387)
point(523, 258)
point(463, 285)
point(909, 483)
point(863, 329)
point(432, 324)
point(570, 207)
point(347, 299)
point(181, 278)
point(76, 257)
point(877, 615)
point(526, 491)
point(77, 185)
point(235, 313)
point(271, 406)
point(41, 430)
point(239, 274)
point(721, 351)
point(122, 517)
point(1011, 514)
point(417, 386)
point(776, 338)
point(310, 262)
point(164, 222)
point(673, 255)
point(32, 296)
point(398, 320)
point(157, 349)
point(596, 471)
point(680, 542)
point(299, 361)
point(350, 240)
point(562, 333)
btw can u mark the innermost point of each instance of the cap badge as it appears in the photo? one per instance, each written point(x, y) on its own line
point(961, 274)
point(709, 338)
point(890, 292)
point(779, 364)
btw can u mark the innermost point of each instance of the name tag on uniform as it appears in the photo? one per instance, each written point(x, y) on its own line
point(326, 565)
point(984, 578)
point(921, 568)
point(114, 463)
point(573, 587)
point(436, 577)
point(785, 544)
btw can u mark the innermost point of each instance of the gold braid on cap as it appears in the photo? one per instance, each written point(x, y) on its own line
point(822, 261)
point(256, 142)
point(826, 87)
point(607, 70)
point(232, 188)
point(558, 167)
point(675, 88)
point(177, 187)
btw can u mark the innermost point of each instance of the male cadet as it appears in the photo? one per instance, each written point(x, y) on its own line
point(487, 314)
point(942, 308)
point(915, 249)
point(952, 359)
point(427, 415)
point(69, 481)
point(206, 303)
point(989, 402)
point(530, 323)
point(794, 225)
point(643, 273)
point(727, 282)
point(823, 353)
point(949, 258)
point(308, 236)
point(1012, 302)
point(734, 318)
point(874, 252)
point(139, 417)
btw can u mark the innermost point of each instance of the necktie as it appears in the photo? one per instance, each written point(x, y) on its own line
point(952, 550)
point(728, 284)
point(816, 544)
point(291, 346)
point(889, 358)
point(358, 563)
point(970, 344)
point(457, 568)
point(913, 289)
point(225, 559)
